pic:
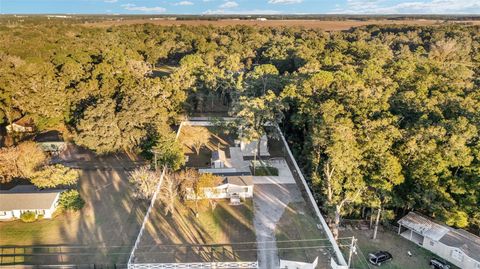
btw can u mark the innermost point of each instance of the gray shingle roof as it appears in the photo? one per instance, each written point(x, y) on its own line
point(467, 242)
point(27, 198)
point(461, 239)
point(424, 225)
point(218, 155)
point(239, 180)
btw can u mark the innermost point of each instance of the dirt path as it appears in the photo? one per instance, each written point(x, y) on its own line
point(270, 201)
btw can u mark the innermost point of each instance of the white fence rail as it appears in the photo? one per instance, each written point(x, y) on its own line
point(195, 265)
point(341, 260)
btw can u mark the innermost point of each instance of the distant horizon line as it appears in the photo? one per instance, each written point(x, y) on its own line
point(248, 15)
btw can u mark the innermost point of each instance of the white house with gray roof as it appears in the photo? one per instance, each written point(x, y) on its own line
point(456, 246)
point(27, 198)
point(232, 187)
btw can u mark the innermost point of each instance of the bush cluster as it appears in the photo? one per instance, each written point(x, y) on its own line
point(28, 216)
point(71, 200)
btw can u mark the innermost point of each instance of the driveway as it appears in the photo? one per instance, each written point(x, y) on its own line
point(260, 180)
point(270, 201)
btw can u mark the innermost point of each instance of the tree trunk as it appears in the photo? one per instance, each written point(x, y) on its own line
point(371, 219)
point(196, 206)
point(258, 147)
point(336, 222)
point(379, 213)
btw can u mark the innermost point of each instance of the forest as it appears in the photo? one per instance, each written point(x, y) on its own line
point(383, 119)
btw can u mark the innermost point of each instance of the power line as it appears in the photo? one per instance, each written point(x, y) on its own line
point(157, 252)
point(174, 245)
point(364, 258)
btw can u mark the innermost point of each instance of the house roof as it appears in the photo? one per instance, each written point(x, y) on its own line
point(424, 225)
point(467, 242)
point(49, 136)
point(239, 180)
point(458, 238)
point(27, 197)
point(218, 155)
point(51, 146)
point(25, 122)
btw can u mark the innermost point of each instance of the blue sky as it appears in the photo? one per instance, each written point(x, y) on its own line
point(241, 6)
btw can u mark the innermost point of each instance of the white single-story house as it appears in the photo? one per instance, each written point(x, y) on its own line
point(456, 246)
point(232, 187)
point(22, 125)
point(52, 146)
point(51, 141)
point(27, 198)
point(218, 159)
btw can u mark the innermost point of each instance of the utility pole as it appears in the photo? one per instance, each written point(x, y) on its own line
point(352, 250)
point(155, 159)
point(254, 159)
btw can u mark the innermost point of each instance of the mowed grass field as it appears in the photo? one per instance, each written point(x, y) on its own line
point(311, 24)
point(298, 238)
point(103, 232)
point(391, 242)
point(225, 233)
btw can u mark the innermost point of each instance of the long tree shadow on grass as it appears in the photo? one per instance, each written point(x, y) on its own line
point(225, 234)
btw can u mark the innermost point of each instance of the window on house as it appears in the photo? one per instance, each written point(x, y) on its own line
point(477, 265)
point(457, 255)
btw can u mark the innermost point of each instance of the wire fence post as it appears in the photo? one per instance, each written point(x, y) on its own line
point(352, 250)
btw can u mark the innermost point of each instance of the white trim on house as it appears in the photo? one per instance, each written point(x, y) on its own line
point(21, 199)
point(17, 128)
point(232, 187)
point(454, 245)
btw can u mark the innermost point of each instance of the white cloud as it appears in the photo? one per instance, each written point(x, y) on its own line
point(411, 7)
point(184, 3)
point(242, 12)
point(286, 2)
point(111, 1)
point(133, 7)
point(229, 4)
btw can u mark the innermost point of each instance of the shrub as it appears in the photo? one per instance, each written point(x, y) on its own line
point(28, 217)
point(265, 171)
point(71, 200)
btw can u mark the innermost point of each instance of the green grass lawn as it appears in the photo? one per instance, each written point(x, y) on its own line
point(103, 230)
point(224, 234)
point(227, 221)
point(264, 171)
point(391, 242)
point(298, 224)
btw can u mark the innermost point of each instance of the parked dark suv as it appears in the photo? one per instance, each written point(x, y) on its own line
point(438, 264)
point(379, 257)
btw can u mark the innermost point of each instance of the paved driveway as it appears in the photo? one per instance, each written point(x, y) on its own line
point(260, 180)
point(270, 201)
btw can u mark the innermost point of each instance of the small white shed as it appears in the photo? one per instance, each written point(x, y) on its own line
point(218, 159)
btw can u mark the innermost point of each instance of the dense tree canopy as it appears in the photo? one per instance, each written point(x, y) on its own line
point(380, 117)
